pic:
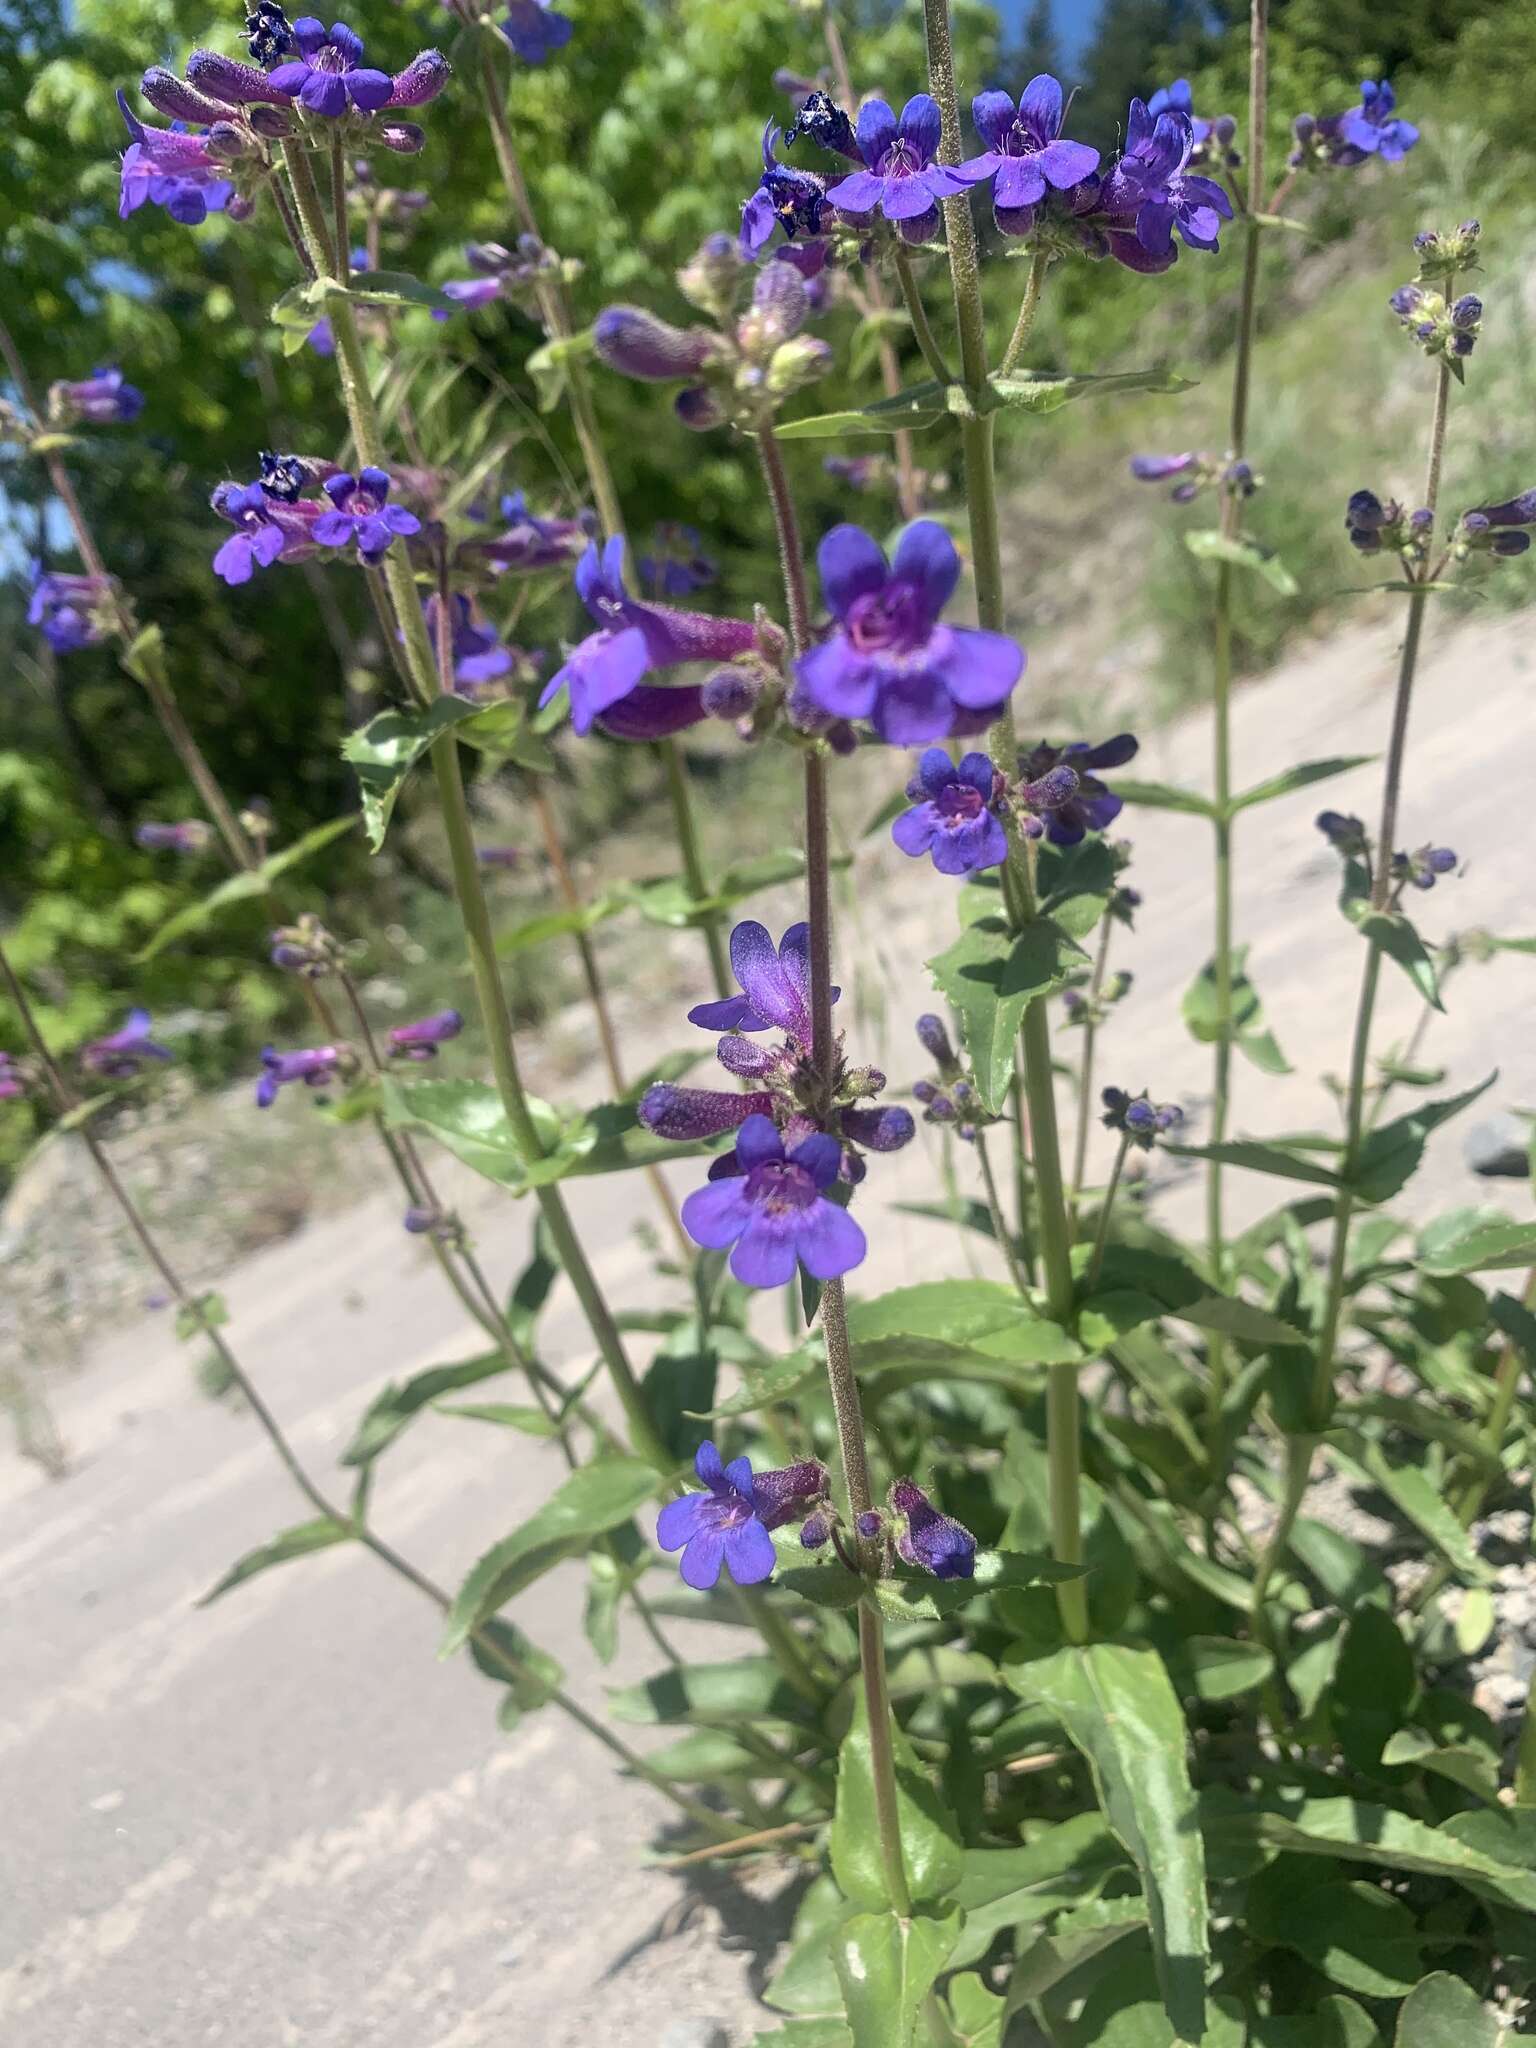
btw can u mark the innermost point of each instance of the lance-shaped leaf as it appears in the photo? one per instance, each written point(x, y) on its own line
point(1075, 1938)
point(1262, 1156)
point(1302, 776)
point(1245, 1025)
point(559, 924)
point(1390, 1155)
point(243, 887)
point(887, 1965)
point(391, 288)
point(1475, 1241)
point(990, 977)
point(1119, 1709)
point(930, 1841)
point(593, 1500)
point(1047, 391)
point(1399, 940)
point(299, 1541)
point(1165, 796)
point(388, 747)
point(1209, 544)
point(920, 405)
point(745, 1689)
point(395, 1407)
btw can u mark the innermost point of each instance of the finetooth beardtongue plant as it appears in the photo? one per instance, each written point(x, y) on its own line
point(1023, 1492)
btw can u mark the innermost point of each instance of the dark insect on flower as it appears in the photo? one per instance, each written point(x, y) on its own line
point(774, 1212)
point(190, 835)
point(419, 1041)
point(1025, 152)
point(316, 1066)
point(1067, 814)
point(1423, 867)
point(900, 178)
point(721, 1526)
point(121, 1055)
point(269, 530)
point(821, 120)
point(786, 198)
point(1139, 1121)
point(890, 659)
point(932, 1541)
point(952, 816)
point(268, 33)
point(283, 476)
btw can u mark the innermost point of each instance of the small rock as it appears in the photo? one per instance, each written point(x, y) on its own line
point(1499, 1149)
point(696, 2034)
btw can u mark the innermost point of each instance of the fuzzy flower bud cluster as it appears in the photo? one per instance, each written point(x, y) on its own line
point(1140, 1121)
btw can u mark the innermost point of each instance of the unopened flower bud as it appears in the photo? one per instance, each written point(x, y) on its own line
point(273, 123)
point(780, 304)
point(226, 79)
point(731, 692)
point(421, 80)
point(698, 409)
point(870, 1523)
point(227, 142)
point(1224, 130)
point(405, 138)
point(1304, 127)
point(710, 277)
point(798, 363)
point(637, 344)
point(174, 97)
point(880, 1130)
point(934, 1039)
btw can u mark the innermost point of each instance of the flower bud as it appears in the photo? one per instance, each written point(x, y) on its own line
point(780, 302)
point(732, 692)
point(236, 84)
point(637, 344)
point(934, 1040)
point(880, 1130)
point(226, 142)
point(273, 123)
point(798, 363)
point(710, 277)
point(421, 80)
point(1304, 127)
point(172, 96)
point(698, 409)
point(405, 138)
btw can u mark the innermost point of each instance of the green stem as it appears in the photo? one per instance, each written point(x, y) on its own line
point(1063, 1437)
point(1101, 1235)
point(917, 313)
point(1085, 1067)
point(1525, 1755)
point(686, 827)
point(1298, 1466)
point(1029, 306)
point(1000, 1228)
point(341, 227)
point(882, 1756)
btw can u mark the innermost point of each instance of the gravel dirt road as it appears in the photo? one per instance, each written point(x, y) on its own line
point(281, 1820)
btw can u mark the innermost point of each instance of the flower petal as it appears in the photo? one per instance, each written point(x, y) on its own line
point(749, 1553)
point(706, 1462)
point(678, 1522)
point(716, 1214)
point(914, 830)
point(851, 565)
point(920, 124)
point(992, 117)
point(758, 1142)
point(837, 680)
point(1066, 164)
point(876, 131)
point(765, 1253)
point(906, 198)
point(1040, 106)
point(859, 192)
point(369, 89)
point(913, 706)
point(738, 1476)
point(979, 668)
point(927, 559)
point(821, 1156)
point(829, 1241)
point(701, 1562)
point(1020, 182)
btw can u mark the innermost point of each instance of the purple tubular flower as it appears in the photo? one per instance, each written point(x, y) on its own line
point(1154, 469)
point(328, 76)
point(934, 1039)
point(270, 527)
point(786, 198)
point(498, 856)
point(1153, 193)
point(166, 168)
point(534, 29)
point(952, 818)
point(1024, 151)
point(687, 1115)
point(718, 1526)
point(478, 655)
point(102, 399)
point(1344, 832)
point(885, 1129)
point(121, 1055)
point(776, 1213)
point(655, 712)
point(901, 179)
point(529, 542)
point(191, 835)
point(421, 80)
point(69, 611)
point(236, 84)
point(419, 1041)
point(679, 566)
point(1139, 1120)
point(1371, 129)
point(633, 638)
point(932, 1541)
point(890, 660)
point(1090, 807)
point(775, 982)
point(179, 101)
point(789, 1493)
point(360, 512)
point(314, 1065)
point(637, 344)
point(1519, 511)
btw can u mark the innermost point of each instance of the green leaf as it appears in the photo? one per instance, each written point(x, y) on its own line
point(1209, 544)
point(296, 1542)
point(394, 1407)
point(1246, 1026)
point(1261, 1157)
point(393, 288)
point(1359, 1832)
point(1165, 796)
point(594, 1499)
point(1076, 883)
point(242, 887)
point(1475, 1241)
point(1040, 391)
point(1474, 1770)
point(387, 748)
point(812, 2033)
point(1398, 939)
point(559, 924)
point(1232, 1318)
point(1355, 1933)
point(976, 2013)
point(532, 1682)
point(1217, 1667)
point(921, 405)
point(1416, 1495)
point(195, 1318)
point(1391, 1154)
point(1336, 2023)
point(1302, 776)
point(1476, 1620)
point(887, 1966)
point(1443, 2012)
point(550, 366)
point(1119, 1708)
point(303, 304)
point(1065, 1865)
point(784, 1377)
point(527, 1420)
point(990, 978)
point(501, 731)
point(1075, 1938)
point(929, 1839)
point(745, 1689)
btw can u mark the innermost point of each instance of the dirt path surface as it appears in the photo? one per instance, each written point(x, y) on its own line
point(281, 1820)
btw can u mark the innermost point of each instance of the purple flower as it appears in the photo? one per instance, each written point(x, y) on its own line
point(419, 1041)
point(421, 80)
point(901, 179)
point(169, 168)
point(1138, 1120)
point(360, 512)
point(478, 654)
point(1424, 866)
point(328, 76)
point(192, 835)
point(1024, 151)
point(789, 1494)
point(932, 1541)
point(775, 982)
point(1519, 511)
point(1371, 129)
point(1344, 832)
point(498, 856)
point(606, 669)
point(1153, 191)
point(102, 399)
point(314, 1065)
point(530, 543)
point(13, 1077)
point(122, 1054)
point(1195, 470)
point(718, 1526)
point(534, 30)
point(952, 816)
point(679, 566)
point(70, 612)
point(271, 524)
point(1068, 814)
point(786, 198)
point(689, 1115)
point(775, 1213)
point(890, 660)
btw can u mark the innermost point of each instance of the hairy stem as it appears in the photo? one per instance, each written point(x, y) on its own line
point(1101, 1235)
point(1085, 1067)
point(1029, 306)
point(1000, 1230)
point(917, 313)
point(686, 827)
